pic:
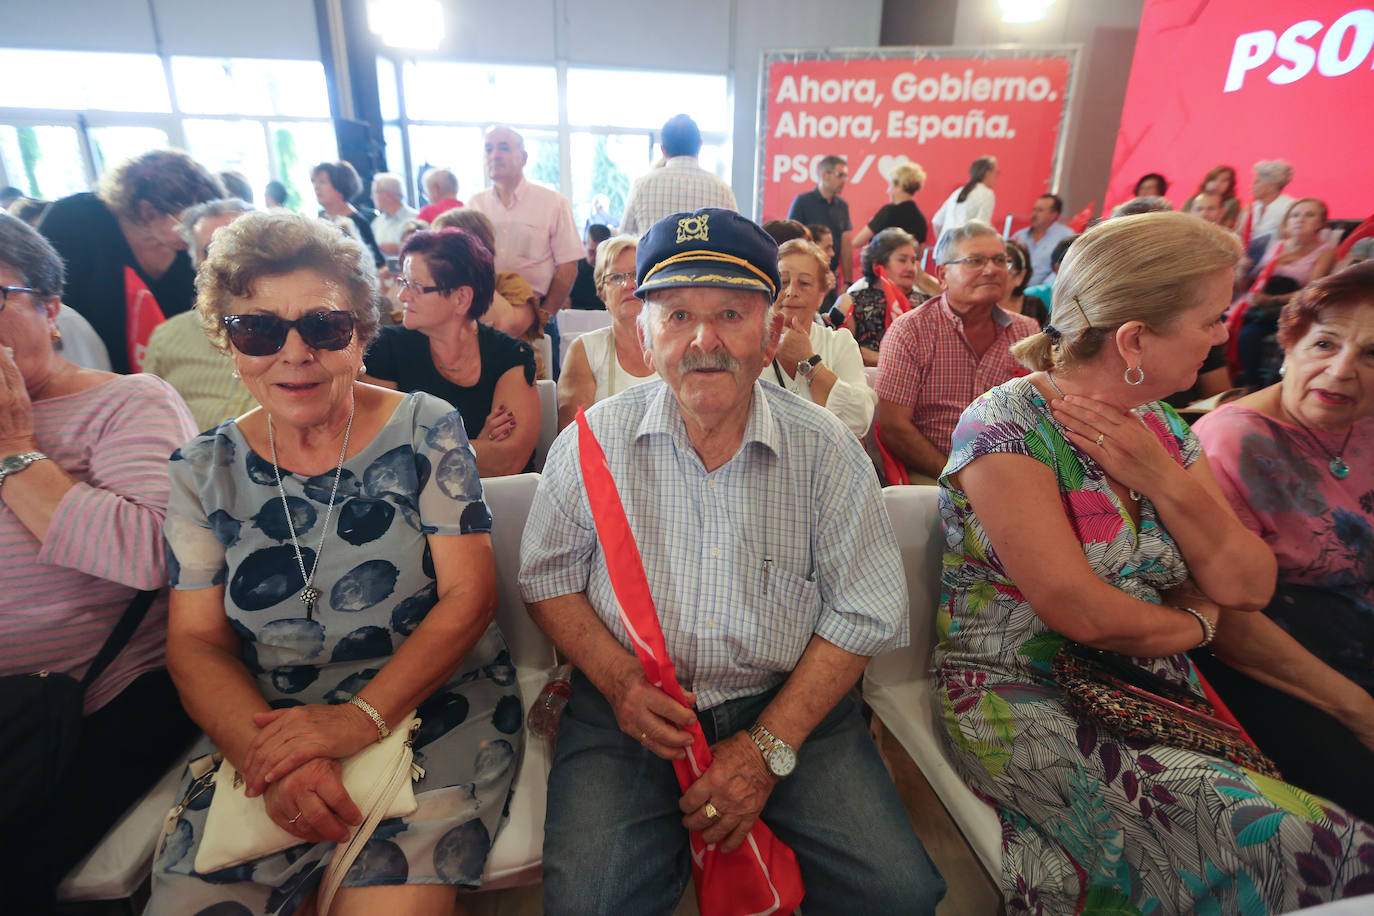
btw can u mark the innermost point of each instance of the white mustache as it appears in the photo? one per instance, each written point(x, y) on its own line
point(719, 360)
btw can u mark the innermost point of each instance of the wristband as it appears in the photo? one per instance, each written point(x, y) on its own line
point(1209, 629)
point(376, 717)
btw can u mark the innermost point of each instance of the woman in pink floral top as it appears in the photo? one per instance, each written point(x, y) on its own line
point(1296, 460)
point(1078, 508)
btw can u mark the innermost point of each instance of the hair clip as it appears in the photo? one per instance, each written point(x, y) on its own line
point(1052, 331)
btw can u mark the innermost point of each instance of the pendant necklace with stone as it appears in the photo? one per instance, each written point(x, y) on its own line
point(1337, 466)
point(309, 594)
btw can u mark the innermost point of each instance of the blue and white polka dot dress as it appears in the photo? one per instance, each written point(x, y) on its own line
point(226, 526)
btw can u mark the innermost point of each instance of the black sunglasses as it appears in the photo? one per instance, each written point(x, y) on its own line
point(263, 335)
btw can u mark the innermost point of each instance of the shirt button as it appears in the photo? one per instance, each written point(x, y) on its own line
point(710, 484)
point(715, 551)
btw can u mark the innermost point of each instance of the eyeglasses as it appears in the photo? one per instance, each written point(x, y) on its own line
point(263, 335)
point(621, 280)
point(6, 290)
point(979, 261)
point(407, 283)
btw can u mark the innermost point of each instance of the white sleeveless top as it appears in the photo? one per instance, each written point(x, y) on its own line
point(611, 377)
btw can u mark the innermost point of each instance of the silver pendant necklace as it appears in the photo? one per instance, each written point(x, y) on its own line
point(309, 594)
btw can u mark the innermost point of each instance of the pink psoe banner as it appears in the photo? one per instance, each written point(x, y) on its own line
point(1231, 82)
point(939, 112)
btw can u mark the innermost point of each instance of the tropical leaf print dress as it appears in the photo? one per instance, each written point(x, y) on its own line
point(1092, 824)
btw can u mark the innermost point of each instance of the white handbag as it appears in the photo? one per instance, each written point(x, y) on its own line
point(238, 828)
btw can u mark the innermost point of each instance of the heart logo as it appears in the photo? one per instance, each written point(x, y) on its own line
point(887, 163)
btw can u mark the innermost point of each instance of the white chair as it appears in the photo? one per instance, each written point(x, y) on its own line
point(897, 683)
point(120, 863)
point(573, 323)
point(548, 421)
point(871, 376)
point(517, 856)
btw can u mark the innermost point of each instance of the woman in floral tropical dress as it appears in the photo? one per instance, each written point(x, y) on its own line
point(1078, 508)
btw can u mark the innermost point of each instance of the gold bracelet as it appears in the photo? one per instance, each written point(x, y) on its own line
point(373, 714)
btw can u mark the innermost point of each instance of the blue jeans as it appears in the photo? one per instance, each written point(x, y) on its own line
point(614, 841)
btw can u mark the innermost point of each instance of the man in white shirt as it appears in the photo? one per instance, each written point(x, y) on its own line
point(535, 233)
point(392, 212)
point(680, 186)
point(1043, 233)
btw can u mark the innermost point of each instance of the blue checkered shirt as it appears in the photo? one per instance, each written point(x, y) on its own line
point(680, 185)
point(787, 539)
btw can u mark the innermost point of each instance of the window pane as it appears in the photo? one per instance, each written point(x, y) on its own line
point(715, 158)
point(387, 91)
point(395, 155)
point(112, 145)
point(606, 164)
point(299, 148)
point(44, 161)
point(458, 149)
point(230, 146)
point(542, 166)
point(208, 85)
point(646, 98)
point(80, 79)
point(482, 93)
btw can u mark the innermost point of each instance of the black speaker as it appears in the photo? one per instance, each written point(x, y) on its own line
point(360, 149)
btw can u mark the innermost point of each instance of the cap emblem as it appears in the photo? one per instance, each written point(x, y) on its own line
point(692, 227)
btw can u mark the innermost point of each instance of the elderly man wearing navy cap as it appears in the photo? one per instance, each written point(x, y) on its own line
point(775, 575)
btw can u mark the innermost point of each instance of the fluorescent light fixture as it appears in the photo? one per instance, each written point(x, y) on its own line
point(1024, 10)
point(413, 24)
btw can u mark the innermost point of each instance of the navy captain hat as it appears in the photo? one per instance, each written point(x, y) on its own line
point(710, 247)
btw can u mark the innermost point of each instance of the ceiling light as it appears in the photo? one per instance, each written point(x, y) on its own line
point(1024, 10)
point(412, 24)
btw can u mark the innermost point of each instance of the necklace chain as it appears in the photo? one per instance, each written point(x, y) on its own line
point(309, 594)
point(1337, 466)
point(1050, 376)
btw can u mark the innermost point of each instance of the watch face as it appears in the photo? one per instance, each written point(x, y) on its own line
point(11, 463)
point(782, 760)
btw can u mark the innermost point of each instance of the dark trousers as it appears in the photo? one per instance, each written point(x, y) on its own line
point(125, 747)
point(1313, 750)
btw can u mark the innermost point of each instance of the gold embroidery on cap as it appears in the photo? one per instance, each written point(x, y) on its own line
point(692, 227)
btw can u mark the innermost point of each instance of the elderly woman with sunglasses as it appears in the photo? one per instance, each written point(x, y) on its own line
point(441, 347)
point(81, 451)
point(332, 571)
point(608, 360)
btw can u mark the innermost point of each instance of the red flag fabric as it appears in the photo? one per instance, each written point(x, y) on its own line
point(1363, 230)
point(141, 315)
point(1081, 218)
point(762, 876)
point(894, 470)
point(897, 302)
point(1236, 319)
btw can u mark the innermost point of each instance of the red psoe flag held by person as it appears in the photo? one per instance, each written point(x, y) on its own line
point(761, 876)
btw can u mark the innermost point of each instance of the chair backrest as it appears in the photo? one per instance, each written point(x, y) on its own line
point(915, 515)
point(871, 376)
point(509, 500)
point(573, 323)
point(548, 420)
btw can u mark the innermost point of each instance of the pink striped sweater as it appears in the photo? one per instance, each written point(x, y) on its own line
point(61, 598)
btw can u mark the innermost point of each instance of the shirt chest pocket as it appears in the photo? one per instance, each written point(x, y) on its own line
point(777, 621)
point(523, 240)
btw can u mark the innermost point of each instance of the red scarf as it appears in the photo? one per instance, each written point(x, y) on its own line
point(897, 302)
point(762, 876)
point(141, 315)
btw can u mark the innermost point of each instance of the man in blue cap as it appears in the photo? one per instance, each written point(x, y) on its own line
point(775, 575)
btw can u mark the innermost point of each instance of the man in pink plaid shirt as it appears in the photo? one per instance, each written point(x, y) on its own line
point(937, 358)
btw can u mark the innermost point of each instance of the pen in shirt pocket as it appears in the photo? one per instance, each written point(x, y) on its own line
point(767, 570)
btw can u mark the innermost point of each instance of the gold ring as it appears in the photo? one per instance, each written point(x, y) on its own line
point(1100, 437)
point(643, 737)
point(296, 818)
point(711, 811)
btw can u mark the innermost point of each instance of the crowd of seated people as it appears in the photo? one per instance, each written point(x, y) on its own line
point(1077, 506)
